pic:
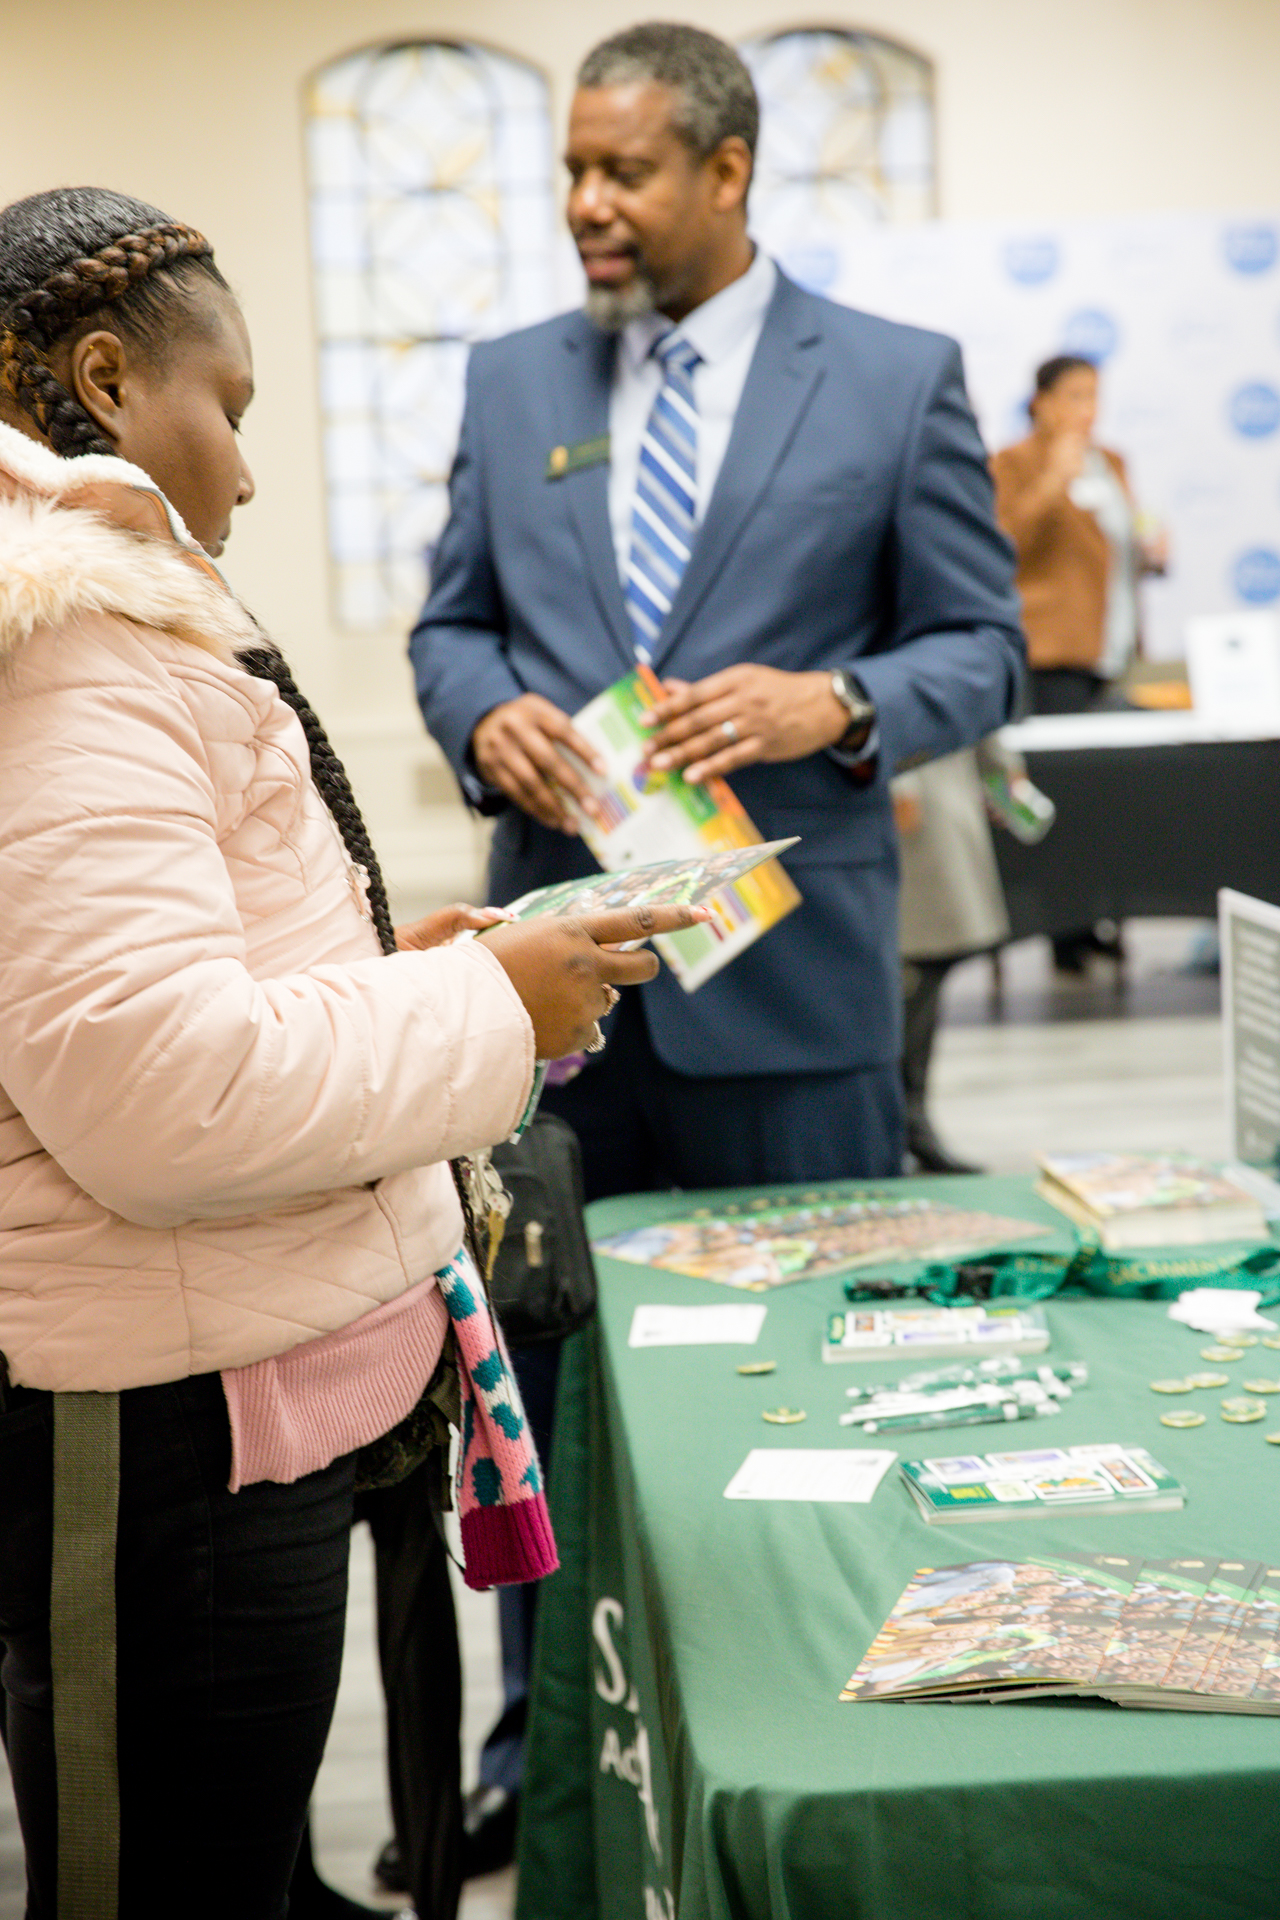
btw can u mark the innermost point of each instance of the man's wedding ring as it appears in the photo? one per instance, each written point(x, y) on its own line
point(728, 729)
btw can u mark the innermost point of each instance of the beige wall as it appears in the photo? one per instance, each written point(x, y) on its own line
point(1045, 109)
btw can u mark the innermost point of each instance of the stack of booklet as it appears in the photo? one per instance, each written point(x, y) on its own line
point(890, 1333)
point(1201, 1635)
point(1149, 1199)
point(1010, 1486)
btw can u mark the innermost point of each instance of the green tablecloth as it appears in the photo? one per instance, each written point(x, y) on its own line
point(688, 1755)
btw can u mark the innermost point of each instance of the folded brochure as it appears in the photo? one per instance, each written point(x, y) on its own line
point(757, 1246)
point(663, 883)
point(1114, 1626)
point(646, 816)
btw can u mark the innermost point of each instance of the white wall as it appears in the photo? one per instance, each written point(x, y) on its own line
point(1045, 109)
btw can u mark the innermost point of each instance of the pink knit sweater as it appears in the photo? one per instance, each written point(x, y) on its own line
point(294, 1414)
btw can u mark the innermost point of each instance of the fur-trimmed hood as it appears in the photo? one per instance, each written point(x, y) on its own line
point(94, 535)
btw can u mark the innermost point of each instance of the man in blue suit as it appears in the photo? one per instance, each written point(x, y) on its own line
point(784, 507)
point(783, 504)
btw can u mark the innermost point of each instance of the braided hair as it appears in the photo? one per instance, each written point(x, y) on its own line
point(80, 258)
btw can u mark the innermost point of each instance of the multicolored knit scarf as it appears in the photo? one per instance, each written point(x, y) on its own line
point(506, 1529)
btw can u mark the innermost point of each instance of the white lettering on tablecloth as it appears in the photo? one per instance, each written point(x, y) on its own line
point(630, 1763)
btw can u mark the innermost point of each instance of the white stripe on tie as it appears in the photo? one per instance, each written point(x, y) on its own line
point(662, 513)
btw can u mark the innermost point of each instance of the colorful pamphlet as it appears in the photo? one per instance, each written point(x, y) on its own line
point(996, 1629)
point(664, 883)
point(1150, 1199)
point(1108, 1625)
point(1011, 1486)
point(890, 1333)
point(646, 816)
point(766, 1246)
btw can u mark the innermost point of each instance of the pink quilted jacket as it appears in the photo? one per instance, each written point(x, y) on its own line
point(223, 1113)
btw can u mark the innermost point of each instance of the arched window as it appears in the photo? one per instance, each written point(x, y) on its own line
point(846, 138)
point(432, 225)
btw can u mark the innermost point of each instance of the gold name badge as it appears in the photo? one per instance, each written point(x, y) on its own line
point(587, 453)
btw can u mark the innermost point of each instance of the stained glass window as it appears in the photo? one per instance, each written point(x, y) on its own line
point(846, 138)
point(432, 225)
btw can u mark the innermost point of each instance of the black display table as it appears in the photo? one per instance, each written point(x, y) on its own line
point(1153, 818)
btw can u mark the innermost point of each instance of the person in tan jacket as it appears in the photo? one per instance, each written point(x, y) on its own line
point(1066, 505)
point(230, 1089)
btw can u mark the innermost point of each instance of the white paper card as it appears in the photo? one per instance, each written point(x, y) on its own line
point(1233, 664)
point(1220, 1309)
point(810, 1473)
point(732, 1326)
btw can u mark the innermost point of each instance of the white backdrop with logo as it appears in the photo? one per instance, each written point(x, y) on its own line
point(1182, 314)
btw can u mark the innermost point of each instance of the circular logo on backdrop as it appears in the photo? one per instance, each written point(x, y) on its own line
point(1255, 410)
point(815, 268)
point(1032, 260)
point(1253, 248)
point(1256, 576)
point(1091, 333)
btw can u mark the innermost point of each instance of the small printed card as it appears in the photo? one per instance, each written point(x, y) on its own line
point(810, 1473)
point(734, 1326)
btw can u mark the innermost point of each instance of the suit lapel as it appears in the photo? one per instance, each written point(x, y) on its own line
point(582, 413)
point(784, 373)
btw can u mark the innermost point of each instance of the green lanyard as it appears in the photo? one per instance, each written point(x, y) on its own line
point(1154, 1276)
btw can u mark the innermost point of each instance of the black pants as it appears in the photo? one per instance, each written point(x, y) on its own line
point(422, 1681)
point(230, 1615)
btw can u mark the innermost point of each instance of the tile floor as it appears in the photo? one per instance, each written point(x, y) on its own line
point(1047, 1064)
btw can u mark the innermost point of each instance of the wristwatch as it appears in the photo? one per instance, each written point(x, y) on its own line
point(861, 711)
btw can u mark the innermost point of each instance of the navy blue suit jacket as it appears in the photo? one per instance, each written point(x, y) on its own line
point(851, 525)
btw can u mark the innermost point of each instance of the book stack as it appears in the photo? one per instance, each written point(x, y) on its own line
point(1149, 1199)
point(895, 1333)
point(1192, 1634)
point(1012, 1486)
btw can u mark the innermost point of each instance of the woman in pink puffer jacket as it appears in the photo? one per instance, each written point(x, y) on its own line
point(226, 1104)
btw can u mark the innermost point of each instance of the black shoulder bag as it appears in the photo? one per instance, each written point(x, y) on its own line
point(543, 1284)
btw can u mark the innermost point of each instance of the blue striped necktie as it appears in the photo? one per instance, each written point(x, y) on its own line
point(663, 515)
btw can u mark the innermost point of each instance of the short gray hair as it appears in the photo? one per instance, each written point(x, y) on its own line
point(717, 97)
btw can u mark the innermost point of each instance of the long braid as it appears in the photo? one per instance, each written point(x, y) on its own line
point(37, 319)
point(332, 784)
point(34, 321)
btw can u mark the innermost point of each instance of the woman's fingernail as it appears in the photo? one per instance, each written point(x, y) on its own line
point(660, 762)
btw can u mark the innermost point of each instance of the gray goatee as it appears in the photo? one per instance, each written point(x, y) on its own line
point(612, 307)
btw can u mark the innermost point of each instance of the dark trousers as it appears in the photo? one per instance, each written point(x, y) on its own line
point(230, 1615)
point(422, 1681)
point(643, 1127)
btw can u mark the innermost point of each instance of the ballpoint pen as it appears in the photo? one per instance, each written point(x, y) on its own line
point(971, 1417)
